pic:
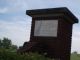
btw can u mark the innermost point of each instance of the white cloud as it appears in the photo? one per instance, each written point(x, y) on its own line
point(16, 5)
point(3, 10)
point(76, 39)
point(23, 5)
point(17, 31)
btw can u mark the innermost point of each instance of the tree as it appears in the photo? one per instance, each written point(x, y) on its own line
point(0, 43)
point(14, 47)
point(6, 43)
point(75, 52)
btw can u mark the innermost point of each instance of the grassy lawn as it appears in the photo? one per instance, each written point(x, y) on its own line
point(7, 55)
point(75, 57)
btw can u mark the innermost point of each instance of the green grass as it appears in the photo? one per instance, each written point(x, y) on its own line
point(9, 55)
point(75, 56)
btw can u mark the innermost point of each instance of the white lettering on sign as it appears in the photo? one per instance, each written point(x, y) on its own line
point(46, 28)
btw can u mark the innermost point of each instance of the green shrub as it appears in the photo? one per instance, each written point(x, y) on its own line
point(7, 55)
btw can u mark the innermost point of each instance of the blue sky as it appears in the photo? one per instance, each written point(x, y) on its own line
point(15, 24)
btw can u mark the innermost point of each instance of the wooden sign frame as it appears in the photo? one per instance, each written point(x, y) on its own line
point(58, 47)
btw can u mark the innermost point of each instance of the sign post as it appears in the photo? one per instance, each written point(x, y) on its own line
point(52, 29)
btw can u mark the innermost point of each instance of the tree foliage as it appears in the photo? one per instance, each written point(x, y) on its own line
point(0, 43)
point(6, 43)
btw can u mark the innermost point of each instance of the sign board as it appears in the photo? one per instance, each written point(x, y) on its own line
point(51, 32)
point(46, 28)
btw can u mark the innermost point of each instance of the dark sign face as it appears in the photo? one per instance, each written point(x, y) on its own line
point(46, 28)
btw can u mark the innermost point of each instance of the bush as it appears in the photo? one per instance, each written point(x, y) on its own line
point(6, 55)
